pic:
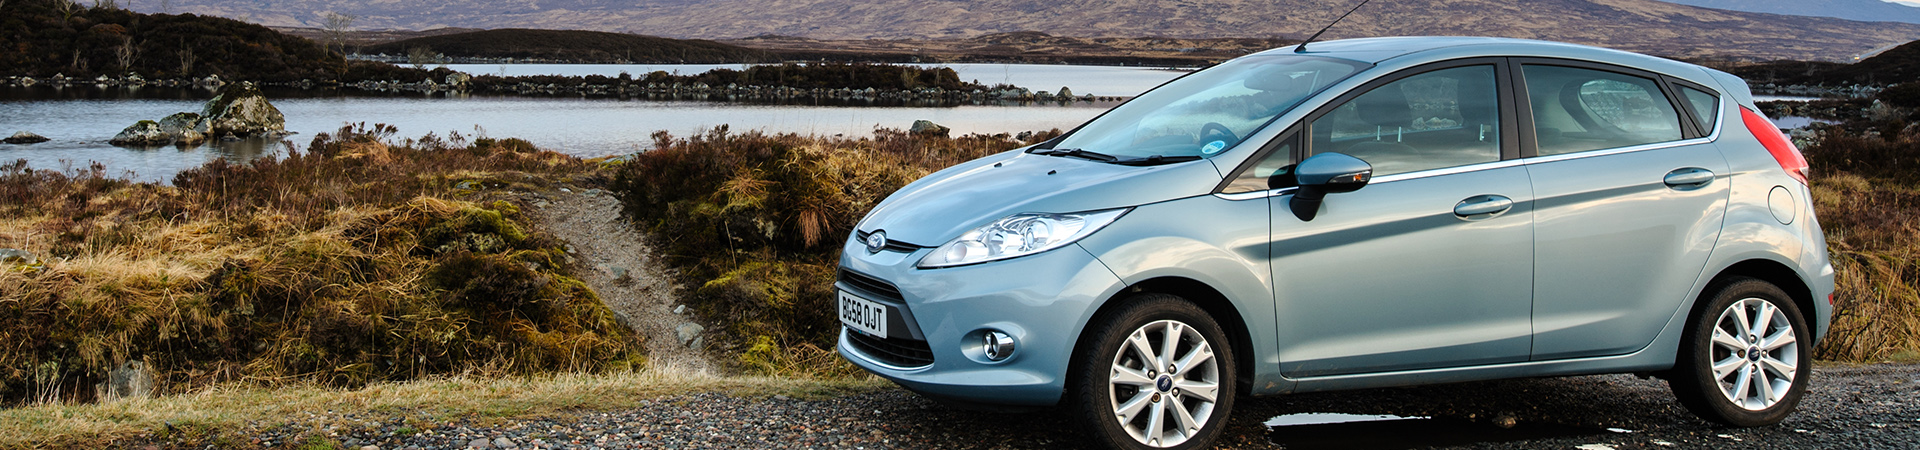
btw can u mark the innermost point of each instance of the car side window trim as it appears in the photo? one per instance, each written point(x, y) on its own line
point(1699, 123)
point(1290, 136)
point(1529, 135)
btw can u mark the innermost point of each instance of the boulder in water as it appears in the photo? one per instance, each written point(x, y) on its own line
point(241, 111)
point(25, 137)
point(185, 128)
point(145, 133)
point(928, 127)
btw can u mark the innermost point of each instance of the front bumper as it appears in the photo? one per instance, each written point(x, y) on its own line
point(1043, 301)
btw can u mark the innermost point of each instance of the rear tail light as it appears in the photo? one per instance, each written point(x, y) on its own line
point(1776, 144)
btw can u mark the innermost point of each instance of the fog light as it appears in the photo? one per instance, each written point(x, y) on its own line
point(999, 345)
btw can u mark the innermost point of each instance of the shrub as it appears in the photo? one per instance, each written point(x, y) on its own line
point(757, 221)
point(359, 260)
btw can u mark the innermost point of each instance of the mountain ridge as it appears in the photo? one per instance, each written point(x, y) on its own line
point(1646, 26)
point(1861, 10)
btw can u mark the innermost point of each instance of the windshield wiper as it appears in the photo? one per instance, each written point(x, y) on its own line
point(1096, 156)
point(1155, 160)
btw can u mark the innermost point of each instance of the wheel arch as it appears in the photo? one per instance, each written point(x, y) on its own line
point(1779, 274)
point(1209, 299)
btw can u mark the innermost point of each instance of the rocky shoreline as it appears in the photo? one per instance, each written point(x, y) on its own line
point(586, 86)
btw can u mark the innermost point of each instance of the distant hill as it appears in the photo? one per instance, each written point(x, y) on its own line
point(1647, 26)
point(41, 38)
point(1862, 10)
point(576, 46)
point(1897, 65)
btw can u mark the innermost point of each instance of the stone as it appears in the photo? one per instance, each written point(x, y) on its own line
point(25, 137)
point(17, 257)
point(241, 111)
point(129, 380)
point(479, 443)
point(369, 447)
point(687, 332)
point(185, 128)
point(680, 309)
point(1065, 93)
point(928, 127)
point(145, 133)
point(504, 443)
point(698, 343)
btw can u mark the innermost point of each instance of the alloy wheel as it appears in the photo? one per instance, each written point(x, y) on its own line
point(1164, 383)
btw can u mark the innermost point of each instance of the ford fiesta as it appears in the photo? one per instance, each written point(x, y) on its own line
point(1361, 213)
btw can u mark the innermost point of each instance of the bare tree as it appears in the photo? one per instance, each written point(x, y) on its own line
point(125, 53)
point(186, 61)
point(166, 6)
point(106, 4)
point(421, 56)
point(338, 25)
point(66, 8)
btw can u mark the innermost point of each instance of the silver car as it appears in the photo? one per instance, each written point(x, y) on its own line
point(1357, 214)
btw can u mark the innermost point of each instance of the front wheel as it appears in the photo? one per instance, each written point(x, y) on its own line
point(1745, 360)
point(1159, 373)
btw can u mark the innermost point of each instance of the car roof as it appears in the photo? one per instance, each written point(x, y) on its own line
point(1381, 49)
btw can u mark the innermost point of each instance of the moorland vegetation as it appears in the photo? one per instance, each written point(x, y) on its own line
point(358, 260)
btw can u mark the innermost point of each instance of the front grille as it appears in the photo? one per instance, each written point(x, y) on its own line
point(872, 285)
point(907, 353)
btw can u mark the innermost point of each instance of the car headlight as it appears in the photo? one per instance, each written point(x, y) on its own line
point(1019, 235)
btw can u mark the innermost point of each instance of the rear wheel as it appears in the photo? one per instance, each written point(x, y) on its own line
point(1160, 374)
point(1745, 361)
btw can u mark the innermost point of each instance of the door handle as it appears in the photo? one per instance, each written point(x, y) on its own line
point(1480, 207)
point(1689, 178)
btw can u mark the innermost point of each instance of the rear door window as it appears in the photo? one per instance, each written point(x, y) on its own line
point(1577, 109)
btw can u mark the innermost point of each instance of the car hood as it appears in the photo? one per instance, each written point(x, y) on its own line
point(938, 208)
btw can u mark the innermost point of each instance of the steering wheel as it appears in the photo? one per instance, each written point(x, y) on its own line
point(1214, 131)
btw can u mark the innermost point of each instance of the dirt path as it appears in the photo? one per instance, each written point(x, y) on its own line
point(622, 269)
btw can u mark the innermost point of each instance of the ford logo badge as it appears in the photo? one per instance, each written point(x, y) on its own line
point(876, 241)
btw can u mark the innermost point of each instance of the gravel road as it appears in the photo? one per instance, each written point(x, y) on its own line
point(1850, 407)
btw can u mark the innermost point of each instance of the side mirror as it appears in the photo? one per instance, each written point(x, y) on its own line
point(1326, 173)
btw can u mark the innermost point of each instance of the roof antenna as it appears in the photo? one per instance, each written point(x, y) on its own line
point(1303, 44)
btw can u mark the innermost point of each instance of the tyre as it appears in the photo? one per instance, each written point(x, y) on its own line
point(1158, 373)
point(1746, 359)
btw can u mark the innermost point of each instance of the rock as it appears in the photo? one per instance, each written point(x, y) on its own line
point(687, 332)
point(504, 443)
point(1065, 93)
point(25, 137)
point(145, 133)
point(369, 447)
point(128, 380)
point(17, 257)
point(458, 79)
point(928, 127)
point(186, 128)
point(619, 273)
point(241, 111)
point(698, 343)
point(479, 443)
point(680, 309)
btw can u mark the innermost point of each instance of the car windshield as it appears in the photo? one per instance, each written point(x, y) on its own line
point(1204, 113)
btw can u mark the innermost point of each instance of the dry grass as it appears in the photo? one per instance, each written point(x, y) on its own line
point(756, 221)
point(360, 260)
point(227, 413)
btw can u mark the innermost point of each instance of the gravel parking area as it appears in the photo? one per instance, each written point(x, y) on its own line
point(1850, 407)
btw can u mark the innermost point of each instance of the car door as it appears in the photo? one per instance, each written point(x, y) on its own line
point(1430, 264)
point(1630, 196)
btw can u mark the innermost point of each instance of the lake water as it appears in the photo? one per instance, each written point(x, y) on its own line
point(1114, 81)
point(81, 119)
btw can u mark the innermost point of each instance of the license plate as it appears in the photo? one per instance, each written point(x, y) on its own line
point(860, 314)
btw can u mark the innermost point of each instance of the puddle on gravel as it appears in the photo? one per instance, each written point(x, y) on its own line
point(1310, 431)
